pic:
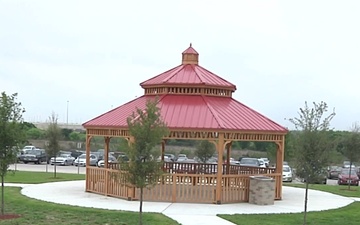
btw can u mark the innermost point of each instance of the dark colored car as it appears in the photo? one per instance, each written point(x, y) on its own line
point(348, 176)
point(333, 172)
point(36, 156)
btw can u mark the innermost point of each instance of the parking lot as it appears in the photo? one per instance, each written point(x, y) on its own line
point(47, 168)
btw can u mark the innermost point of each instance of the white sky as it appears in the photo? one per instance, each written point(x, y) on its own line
point(94, 54)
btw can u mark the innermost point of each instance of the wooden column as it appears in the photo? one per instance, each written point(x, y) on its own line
point(220, 150)
point(106, 166)
point(131, 190)
point(162, 150)
point(106, 151)
point(228, 150)
point(87, 153)
point(279, 164)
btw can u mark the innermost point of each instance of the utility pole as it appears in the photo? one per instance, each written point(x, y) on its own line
point(67, 114)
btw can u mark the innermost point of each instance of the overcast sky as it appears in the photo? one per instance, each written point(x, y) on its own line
point(94, 54)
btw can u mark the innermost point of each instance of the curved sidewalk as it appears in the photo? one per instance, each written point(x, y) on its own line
point(72, 193)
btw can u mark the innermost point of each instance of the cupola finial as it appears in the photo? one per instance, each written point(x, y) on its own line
point(190, 56)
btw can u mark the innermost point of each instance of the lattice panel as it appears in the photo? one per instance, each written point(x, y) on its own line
point(108, 132)
point(253, 137)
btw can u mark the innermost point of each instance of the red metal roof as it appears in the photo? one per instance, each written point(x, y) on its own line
point(190, 50)
point(189, 75)
point(193, 112)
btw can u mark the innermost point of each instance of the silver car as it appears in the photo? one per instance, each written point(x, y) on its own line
point(81, 160)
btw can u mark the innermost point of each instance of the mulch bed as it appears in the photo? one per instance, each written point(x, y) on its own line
point(9, 216)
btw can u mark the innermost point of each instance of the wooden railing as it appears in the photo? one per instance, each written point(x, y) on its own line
point(182, 182)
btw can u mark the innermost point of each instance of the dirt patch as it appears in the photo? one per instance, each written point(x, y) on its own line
point(9, 216)
point(346, 189)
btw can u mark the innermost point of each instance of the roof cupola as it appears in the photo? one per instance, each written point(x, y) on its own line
point(190, 56)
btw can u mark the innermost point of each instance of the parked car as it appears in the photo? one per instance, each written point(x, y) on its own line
point(358, 172)
point(37, 156)
point(333, 172)
point(319, 178)
point(346, 178)
point(267, 161)
point(170, 156)
point(346, 164)
point(252, 162)
point(62, 159)
point(81, 160)
point(111, 159)
point(287, 173)
point(181, 158)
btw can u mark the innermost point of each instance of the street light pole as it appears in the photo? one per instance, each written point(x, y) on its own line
point(67, 114)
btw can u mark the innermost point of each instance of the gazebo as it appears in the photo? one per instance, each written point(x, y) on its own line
point(196, 104)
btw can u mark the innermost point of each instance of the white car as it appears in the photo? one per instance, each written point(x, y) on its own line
point(111, 159)
point(287, 173)
point(62, 159)
point(81, 160)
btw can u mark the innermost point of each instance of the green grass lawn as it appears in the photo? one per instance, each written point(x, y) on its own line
point(335, 189)
point(348, 215)
point(43, 213)
point(29, 177)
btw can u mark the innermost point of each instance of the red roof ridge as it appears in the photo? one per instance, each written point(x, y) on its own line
point(176, 70)
point(202, 68)
point(172, 69)
point(259, 114)
point(144, 110)
point(213, 112)
point(84, 124)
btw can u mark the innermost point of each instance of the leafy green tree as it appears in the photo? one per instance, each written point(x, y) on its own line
point(351, 146)
point(11, 135)
point(53, 135)
point(66, 133)
point(204, 151)
point(34, 133)
point(312, 143)
point(74, 136)
point(147, 129)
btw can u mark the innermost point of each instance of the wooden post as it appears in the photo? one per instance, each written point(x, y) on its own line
point(279, 164)
point(131, 189)
point(106, 152)
point(162, 150)
point(220, 149)
point(87, 153)
point(173, 193)
point(228, 149)
point(106, 166)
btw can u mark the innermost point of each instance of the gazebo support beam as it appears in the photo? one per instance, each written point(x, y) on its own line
point(228, 152)
point(106, 151)
point(106, 162)
point(162, 150)
point(220, 150)
point(87, 153)
point(279, 163)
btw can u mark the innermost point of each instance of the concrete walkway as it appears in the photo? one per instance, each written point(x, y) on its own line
point(72, 193)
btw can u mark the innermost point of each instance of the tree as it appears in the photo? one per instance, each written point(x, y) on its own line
point(11, 135)
point(312, 143)
point(205, 150)
point(34, 133)
point(351, 146)
point(147, 130)
point(53, 134)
